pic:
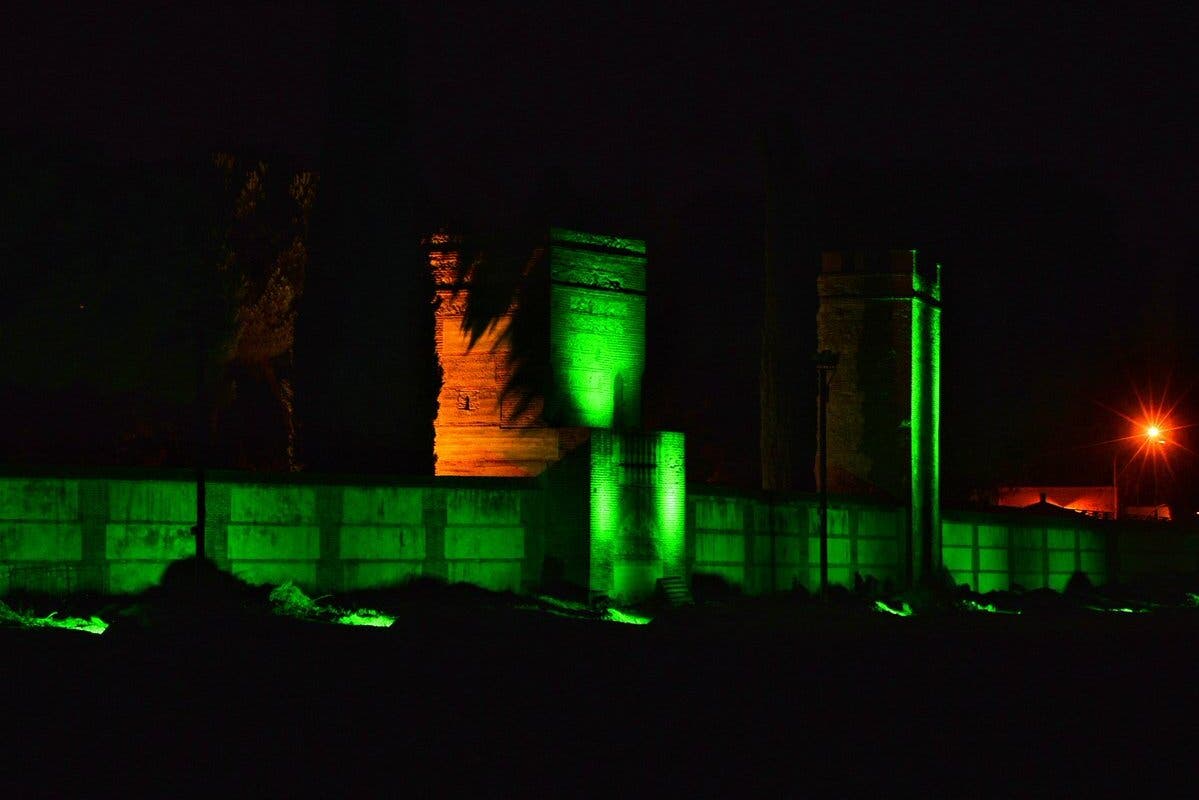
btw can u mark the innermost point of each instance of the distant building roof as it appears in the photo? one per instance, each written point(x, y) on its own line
point(1159, 512)
point(1095, 500)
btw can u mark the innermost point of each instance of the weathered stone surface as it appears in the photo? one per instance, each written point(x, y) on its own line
point(596, 347)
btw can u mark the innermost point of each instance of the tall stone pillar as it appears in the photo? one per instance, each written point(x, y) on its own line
point(880, 312)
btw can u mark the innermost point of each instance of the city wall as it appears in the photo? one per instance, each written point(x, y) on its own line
point(117, 531)
point(117, 534)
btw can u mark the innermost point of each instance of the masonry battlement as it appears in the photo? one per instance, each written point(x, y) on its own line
point(868, 261)
point(601, 262)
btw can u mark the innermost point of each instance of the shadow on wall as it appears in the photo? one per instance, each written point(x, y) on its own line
point(886, 429)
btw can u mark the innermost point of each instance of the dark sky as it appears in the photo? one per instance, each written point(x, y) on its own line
point(636, 94)
point(1069, 277)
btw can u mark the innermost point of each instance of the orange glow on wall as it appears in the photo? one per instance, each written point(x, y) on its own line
point(475, 432)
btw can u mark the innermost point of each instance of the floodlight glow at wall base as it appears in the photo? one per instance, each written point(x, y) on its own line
point(627, 618)
point(93, 625)
point(904, 609)
point(366, 617)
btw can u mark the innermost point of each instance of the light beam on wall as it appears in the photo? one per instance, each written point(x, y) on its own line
point(597, 336)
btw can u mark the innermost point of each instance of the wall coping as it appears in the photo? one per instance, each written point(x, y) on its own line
point(187, 475)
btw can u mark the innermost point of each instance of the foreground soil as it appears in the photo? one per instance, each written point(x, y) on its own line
point(779, 699)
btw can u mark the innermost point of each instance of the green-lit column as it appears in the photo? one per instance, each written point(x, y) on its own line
point(638, 512)
point(670, 485)
point(605, 510)
point(926, 421)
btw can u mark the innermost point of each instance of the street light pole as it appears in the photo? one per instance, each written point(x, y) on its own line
point(1115, 489)
point(201, 434)
point(1155, 438)
point(826, 365)
point(1152, 449)
point(1155, 487)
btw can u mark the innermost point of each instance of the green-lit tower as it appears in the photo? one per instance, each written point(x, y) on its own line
point(597, 328)
point(880, 312)
point(635, 504)
point(617, 516)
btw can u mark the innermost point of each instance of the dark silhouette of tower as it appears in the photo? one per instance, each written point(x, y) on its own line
point(880, 312)
point(366, 369)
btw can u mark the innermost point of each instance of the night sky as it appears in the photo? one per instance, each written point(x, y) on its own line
point(1044, 156)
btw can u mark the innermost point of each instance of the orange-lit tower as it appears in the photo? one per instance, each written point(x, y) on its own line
point(595, 357)
point(476, 431)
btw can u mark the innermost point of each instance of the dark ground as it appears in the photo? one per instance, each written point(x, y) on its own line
point(760, 697)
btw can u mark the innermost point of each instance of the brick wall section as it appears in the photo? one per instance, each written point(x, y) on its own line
point(59, 535)
point(999, 551)
point(41, 533)
point(93, 518)
point(149, 524)
point(329, 516)
point(475, 432)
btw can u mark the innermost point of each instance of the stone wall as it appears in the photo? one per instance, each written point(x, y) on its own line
point(594, 339)
point(477, 431)
point(117, 534)
point(609, 520)
point(999, 551)
point(768, 543)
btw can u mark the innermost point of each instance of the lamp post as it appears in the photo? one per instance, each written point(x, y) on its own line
point(1115, 489)
point(201, 430)
point(1154, 436)
point(826, 365)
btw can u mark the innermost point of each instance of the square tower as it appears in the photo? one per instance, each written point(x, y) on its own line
point(880, 312)
point(594, 336)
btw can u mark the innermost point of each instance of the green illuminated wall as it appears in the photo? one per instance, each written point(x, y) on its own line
point(118, 534)
point(670, 502)
point(637, 512)
point(765, 545)
point(988, 552)
point(597, 328)
point(617, 515)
